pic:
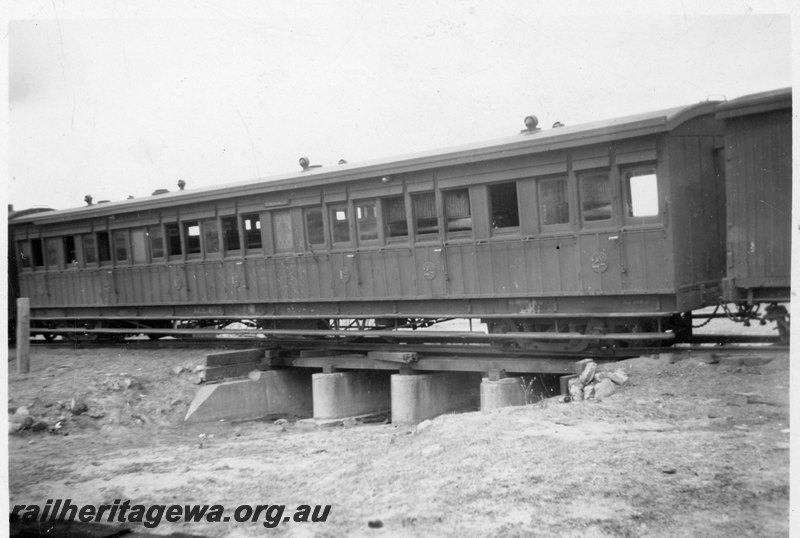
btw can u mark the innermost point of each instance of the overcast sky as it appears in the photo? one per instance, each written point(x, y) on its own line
point(131, 97)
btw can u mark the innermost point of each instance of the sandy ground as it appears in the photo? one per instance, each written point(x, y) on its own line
point(686, 448)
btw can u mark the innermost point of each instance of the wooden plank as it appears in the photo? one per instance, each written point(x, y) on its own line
point(235, 357)
point(455, 364)
point(402, 357)
point(479, 364)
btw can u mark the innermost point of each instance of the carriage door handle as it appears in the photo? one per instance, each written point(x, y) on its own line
point(613, 240)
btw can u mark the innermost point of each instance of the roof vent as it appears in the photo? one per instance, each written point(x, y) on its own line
point(557, 124)
point(88, 199)
point(160, 191)
point(181, 184)
point(305, 164)
point(531, 123)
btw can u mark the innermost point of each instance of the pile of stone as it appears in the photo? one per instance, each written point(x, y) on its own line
point(592, 384)
point(21, 420)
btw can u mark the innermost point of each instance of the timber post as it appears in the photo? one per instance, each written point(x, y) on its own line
point(23, 335)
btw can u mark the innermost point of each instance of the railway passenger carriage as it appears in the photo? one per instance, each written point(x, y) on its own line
point(612, 228)
point(758, 168)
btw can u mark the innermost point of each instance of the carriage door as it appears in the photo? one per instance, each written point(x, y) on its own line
point(601, 252)
point(642, 245)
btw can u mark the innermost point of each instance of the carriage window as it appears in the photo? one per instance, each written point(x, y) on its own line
point(192, 237)
point(173, 232)
point(426, 219)
point(252, 230)
point(25, 254)
point(139, 246)
point(394, 214)
point(230, 234)
point(157, 242)
point(89, 250)
point(210, 237)
point(503, 205)
point(315, 232)
point(103, 247)
point(553, 200)
point(282, 231)
point(340, 224)
point(37, 252)
point(457, 210)
point(595, 191)
point(120, 246)
point(366, 221)
point(641, 187)
point(70, 253)
point(53, 251)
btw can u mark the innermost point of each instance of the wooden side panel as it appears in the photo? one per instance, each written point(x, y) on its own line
point(89, 286)
point(177, 283)
point(154, 285)
point(759, 197)
point(262, 279)
point(301, 277)
point(567, 252)
point(648, 260)
point(400, 273)
point(552, 260)
point(125, 278)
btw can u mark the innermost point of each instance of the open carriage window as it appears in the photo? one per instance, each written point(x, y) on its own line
point(37, 252)
point(641, 190)
point(230, 234)
point(191, 230)
point(70, 252)
point(103, 246)
point(25, 257)
point(503, 205)
point(252, 230)
point(173, 239)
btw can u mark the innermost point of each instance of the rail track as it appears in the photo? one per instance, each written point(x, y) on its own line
point(433, 343)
